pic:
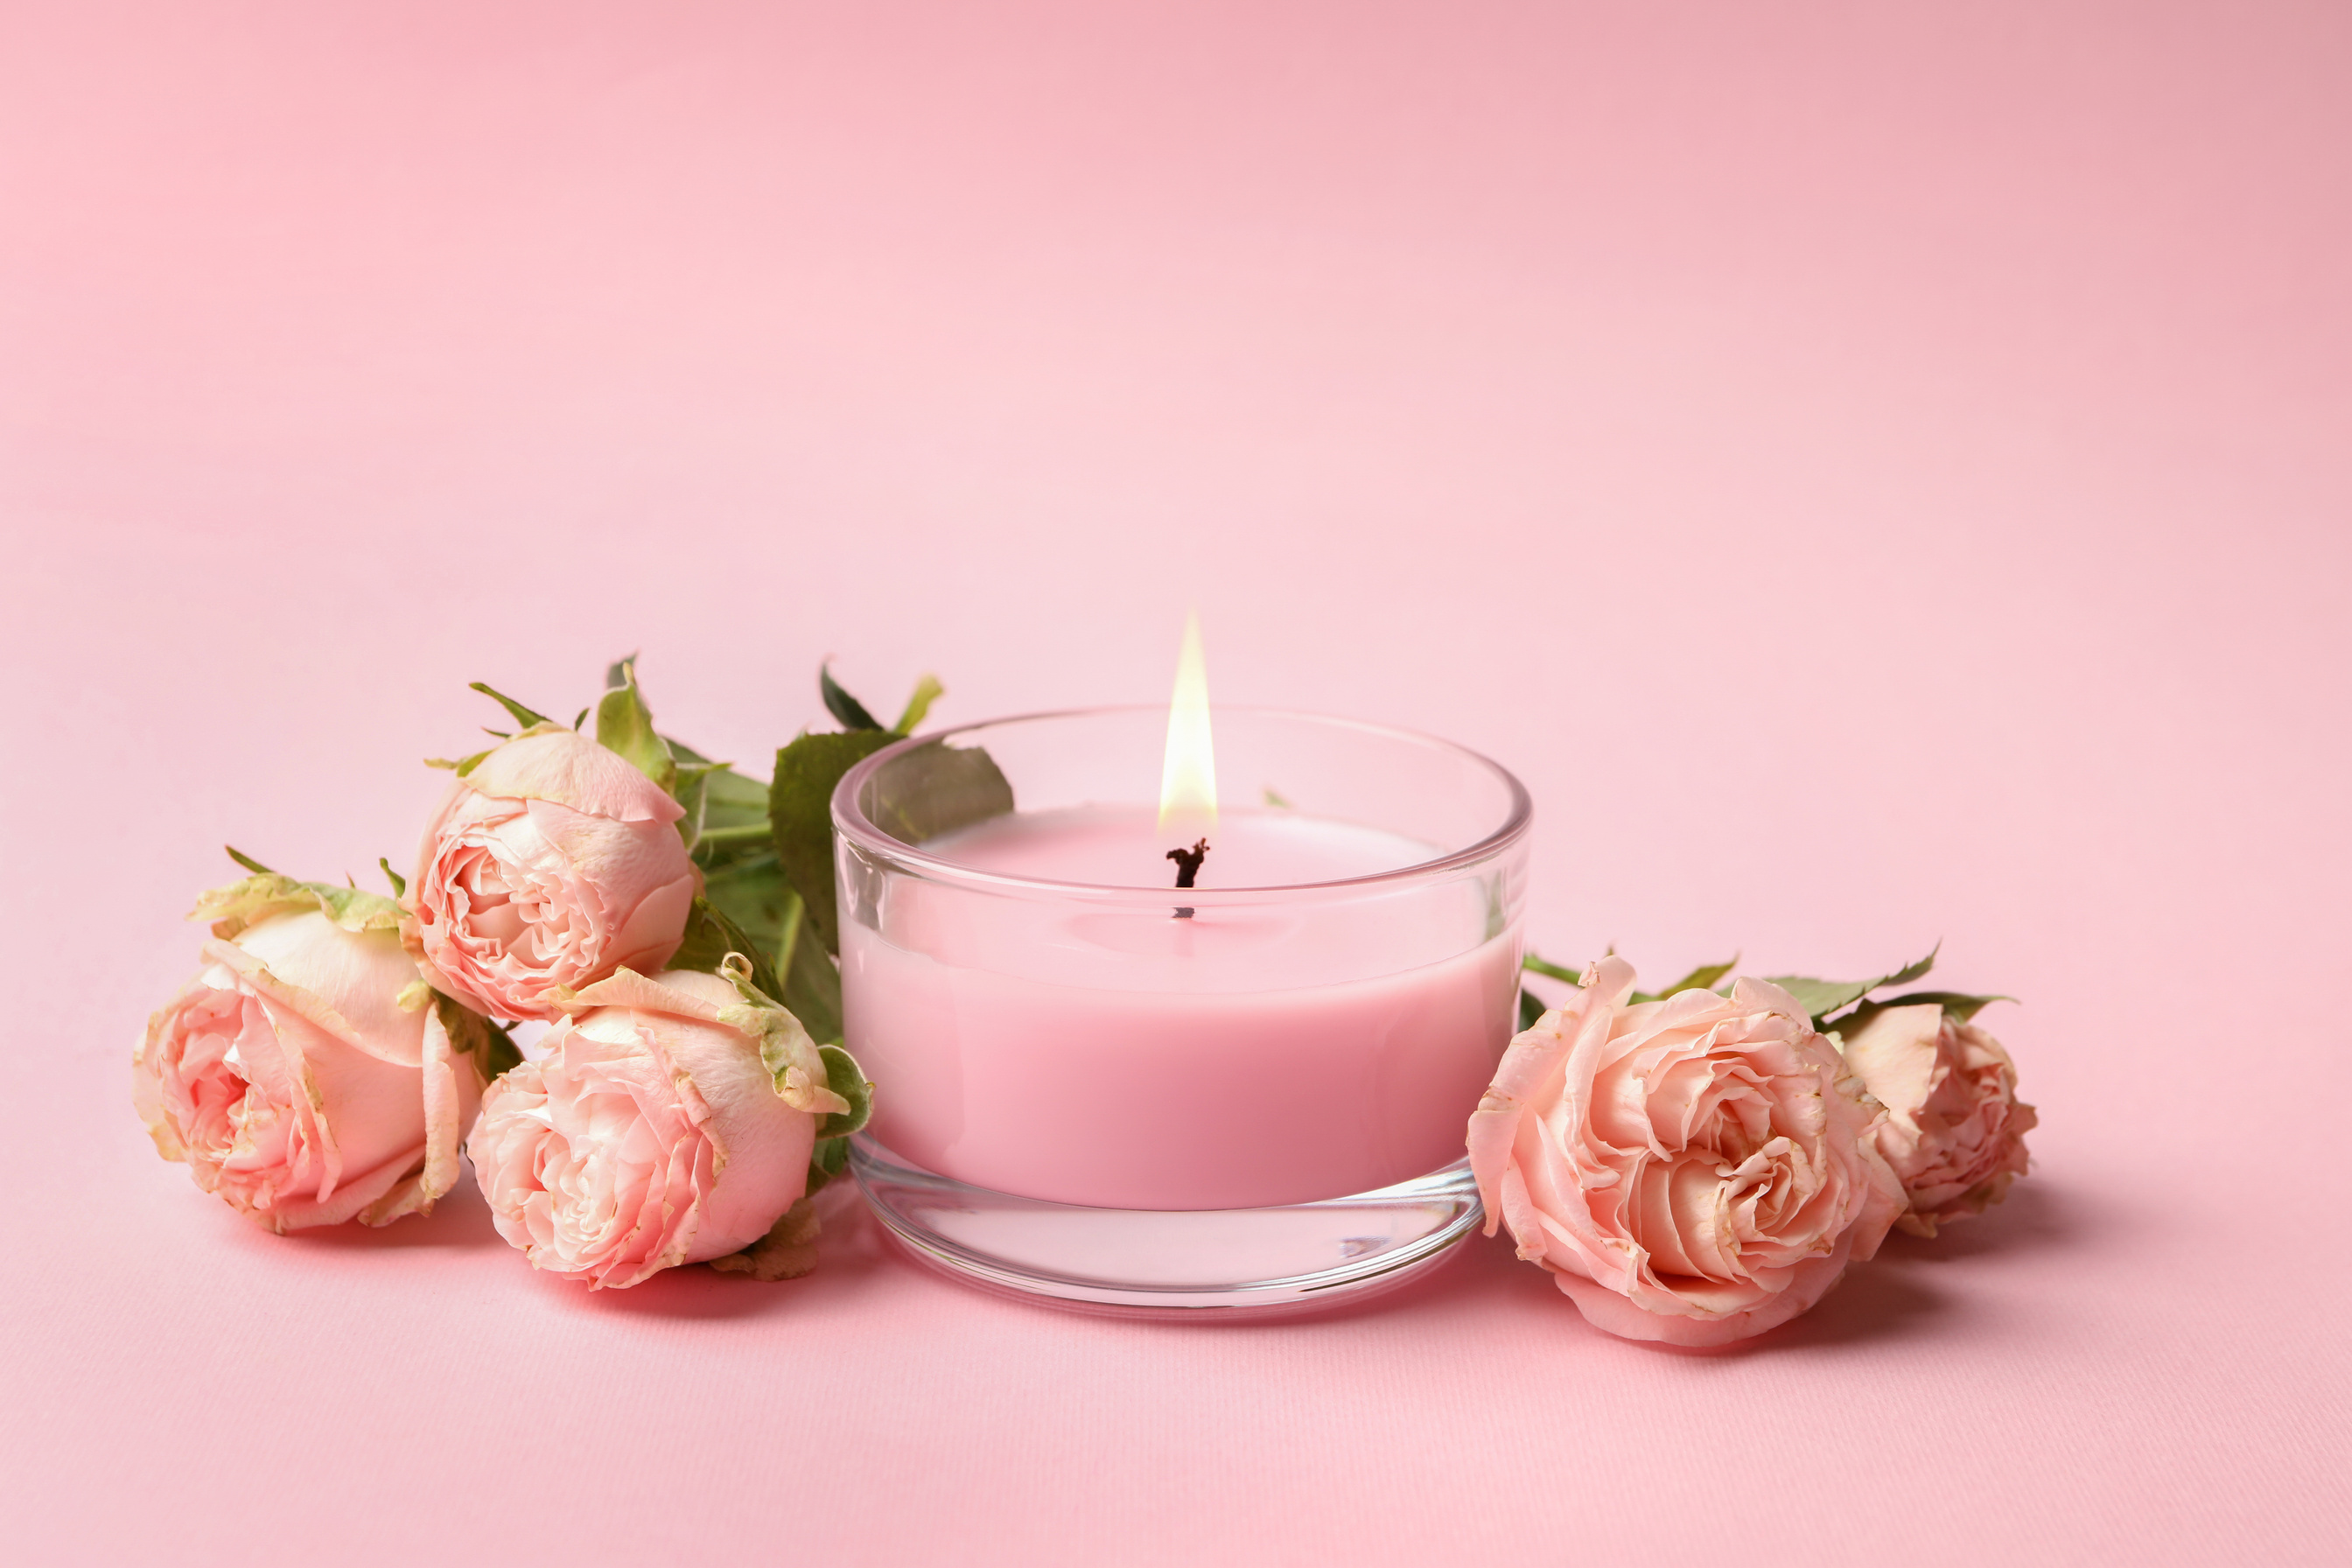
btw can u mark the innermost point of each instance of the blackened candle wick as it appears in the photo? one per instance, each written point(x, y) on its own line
point(1187, 861)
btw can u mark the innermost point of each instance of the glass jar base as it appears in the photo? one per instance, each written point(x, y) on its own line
point(1190, 1265)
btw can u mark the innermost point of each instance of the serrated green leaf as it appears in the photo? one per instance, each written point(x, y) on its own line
point(1704, 978)
point(1959, 1007)
point(928, 690)
point(399, 883)
point(522, 715)
point(1910, 972)
point(799, 814)
point(847, 1079)
point(811, 979)
point(710, 936)
point(1820, 998)
point(938, 788)
point(841, 704)
point(625, 725)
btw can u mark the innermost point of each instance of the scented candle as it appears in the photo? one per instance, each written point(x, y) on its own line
point(1055, 1028)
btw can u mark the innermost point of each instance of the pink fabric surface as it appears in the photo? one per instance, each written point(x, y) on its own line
point(1880, 473)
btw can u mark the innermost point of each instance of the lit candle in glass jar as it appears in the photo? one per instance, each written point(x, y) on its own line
point(1050, 1020)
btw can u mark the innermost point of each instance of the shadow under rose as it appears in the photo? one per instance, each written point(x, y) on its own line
point(2034, 1216)
point(459, 1219)
point(849, 1251)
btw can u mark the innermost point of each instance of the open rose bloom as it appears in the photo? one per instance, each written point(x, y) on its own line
point(292, 1080)
point(1695, 1169)
point(553, 863)
point(1955, 1132)
point(670, 1122)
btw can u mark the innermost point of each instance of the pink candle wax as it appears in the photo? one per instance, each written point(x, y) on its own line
point(1124, 1057)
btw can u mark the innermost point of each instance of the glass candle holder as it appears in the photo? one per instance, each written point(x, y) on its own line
point(1249, 1093)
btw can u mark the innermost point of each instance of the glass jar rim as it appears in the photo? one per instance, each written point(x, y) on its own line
point(851, 822)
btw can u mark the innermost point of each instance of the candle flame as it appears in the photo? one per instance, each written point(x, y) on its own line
point(1187, 776)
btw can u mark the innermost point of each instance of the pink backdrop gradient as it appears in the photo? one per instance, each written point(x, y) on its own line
point(1915, 435)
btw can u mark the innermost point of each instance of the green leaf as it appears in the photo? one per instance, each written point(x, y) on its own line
point(1531, 1009)
point(1704, 978)
point(710, 936)
point(492, 1048)
point(928, 690)
point(1535, 966)
point(624, 724)
point(247, 862)
point(811, 980)
point(1959, 1007)
point(1820, 998)
point(522, 715)
point(399, 883)
point(841, 704)
point(847, 1079)
point(1912, 971)
point(800, 813)
point(937, 788)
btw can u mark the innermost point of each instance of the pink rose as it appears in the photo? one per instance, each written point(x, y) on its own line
point(306, 1075)
point(552, 863)
point(1695, 1169)
point(1955, 1132)
point(671, 1123)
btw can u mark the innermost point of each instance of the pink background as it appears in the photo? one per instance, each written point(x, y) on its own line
point(1879, 472)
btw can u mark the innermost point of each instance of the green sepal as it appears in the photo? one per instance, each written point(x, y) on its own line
point(247, 862)
point(827, 1160)
point(461, 766)
point(625, 725)
point(852, 713)
point(847, 1079)
point(799, 814)
point(1959, 1007)
point(492, 1048)
point(1820, 998)
point(239, 906)
point(399, 883)
point(926, 691)
point(522, 715)
point(795, 1062)
point(1704, 978)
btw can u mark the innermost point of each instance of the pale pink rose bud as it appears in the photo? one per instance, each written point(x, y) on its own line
point(1693, 1169)
point(1955, 1132)
point(553, 863)
point(671, 1123)
point(306, 1076)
